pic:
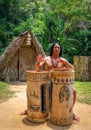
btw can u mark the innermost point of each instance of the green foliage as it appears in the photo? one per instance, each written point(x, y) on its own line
point(65, 21)
point(10, 17)
point(76, 31)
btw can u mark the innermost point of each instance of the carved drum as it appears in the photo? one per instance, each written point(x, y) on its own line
point(62, 97)
point(37, 96)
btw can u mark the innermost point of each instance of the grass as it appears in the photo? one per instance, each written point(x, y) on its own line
point(5, 92)
point(83, 92)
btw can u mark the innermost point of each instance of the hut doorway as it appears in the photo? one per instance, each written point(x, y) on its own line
point(27, 57)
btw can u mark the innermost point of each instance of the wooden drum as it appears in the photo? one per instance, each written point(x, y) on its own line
point(37, 96)
point(62, 97)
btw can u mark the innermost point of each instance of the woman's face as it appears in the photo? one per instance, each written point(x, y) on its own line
point(56, 49)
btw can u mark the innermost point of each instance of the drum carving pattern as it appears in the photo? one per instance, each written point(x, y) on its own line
point(64, 94)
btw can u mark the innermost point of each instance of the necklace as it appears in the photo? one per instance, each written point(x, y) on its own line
point(54, 62)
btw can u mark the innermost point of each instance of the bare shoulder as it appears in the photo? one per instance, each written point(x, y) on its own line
point(63, 59)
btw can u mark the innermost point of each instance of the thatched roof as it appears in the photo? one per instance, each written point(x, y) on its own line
point(15, 45)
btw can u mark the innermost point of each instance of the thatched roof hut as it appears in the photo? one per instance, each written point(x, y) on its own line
point(19, 57)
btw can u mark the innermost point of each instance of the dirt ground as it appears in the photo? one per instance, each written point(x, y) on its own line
point(11, 120)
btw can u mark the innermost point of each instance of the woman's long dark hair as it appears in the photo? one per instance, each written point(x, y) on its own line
point(51, 49)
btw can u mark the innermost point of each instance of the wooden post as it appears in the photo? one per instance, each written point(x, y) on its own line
point(82, 68)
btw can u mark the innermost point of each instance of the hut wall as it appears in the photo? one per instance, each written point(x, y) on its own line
point(27, 57)
point(89, 69)
point(10, 72)
point(82, 67)
point(16, 69)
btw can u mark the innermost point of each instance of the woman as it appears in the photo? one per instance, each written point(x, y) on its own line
point(54, 61)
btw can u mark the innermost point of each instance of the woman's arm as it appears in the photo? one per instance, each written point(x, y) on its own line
point(66, 63)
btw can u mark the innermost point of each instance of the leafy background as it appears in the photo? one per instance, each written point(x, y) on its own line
point(68, 22)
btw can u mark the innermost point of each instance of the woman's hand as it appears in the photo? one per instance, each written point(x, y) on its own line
point(40, 59)
point(61, 60)
point(39, 63)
